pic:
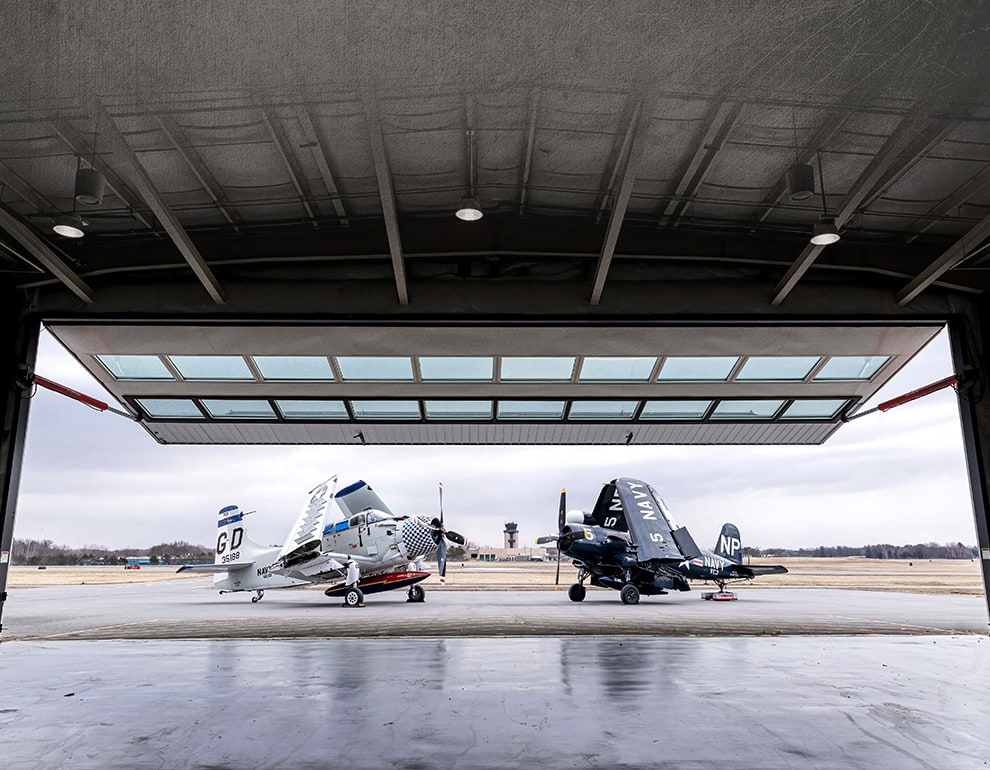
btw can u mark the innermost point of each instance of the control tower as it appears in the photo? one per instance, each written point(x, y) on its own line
point(511, 534)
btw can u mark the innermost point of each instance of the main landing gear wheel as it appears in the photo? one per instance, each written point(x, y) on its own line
point(260, 594)
point(629, 594)
point(416, 594)
point(353, 597)
point(577, 592)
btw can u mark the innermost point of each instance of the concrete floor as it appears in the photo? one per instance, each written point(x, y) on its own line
point(192, 609)
point(886, 698)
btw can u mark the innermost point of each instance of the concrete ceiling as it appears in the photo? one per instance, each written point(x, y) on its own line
point(264, 157)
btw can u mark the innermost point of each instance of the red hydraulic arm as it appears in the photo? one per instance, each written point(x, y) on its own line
point(92, 403)
point(906, 397)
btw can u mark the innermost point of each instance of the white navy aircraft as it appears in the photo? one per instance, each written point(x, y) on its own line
point(366, 549)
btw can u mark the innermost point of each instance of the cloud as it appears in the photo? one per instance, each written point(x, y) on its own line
point(900, 476)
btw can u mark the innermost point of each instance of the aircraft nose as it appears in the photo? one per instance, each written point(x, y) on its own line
point(418, 538)
point(569, 537)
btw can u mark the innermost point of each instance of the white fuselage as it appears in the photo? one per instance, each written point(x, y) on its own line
point(258, 576)
point(373, 540)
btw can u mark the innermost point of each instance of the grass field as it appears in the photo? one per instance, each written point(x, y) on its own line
point(919, 576)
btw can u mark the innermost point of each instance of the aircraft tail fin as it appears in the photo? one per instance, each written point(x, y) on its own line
point(729, 545)
point(234, 548)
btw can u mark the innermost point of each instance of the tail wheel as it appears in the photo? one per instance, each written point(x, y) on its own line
point(353, 597)
point(577, 592)
point(629, 594)
point(416, 594)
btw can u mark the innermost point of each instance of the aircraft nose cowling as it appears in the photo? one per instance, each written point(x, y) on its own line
point(570, 536)
point(418, 537)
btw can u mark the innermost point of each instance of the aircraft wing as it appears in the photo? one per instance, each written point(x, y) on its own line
point(309, 523)
point(360, 497)
point(647, 521)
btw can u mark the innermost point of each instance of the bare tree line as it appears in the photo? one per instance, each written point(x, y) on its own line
point(38, 552)
point(881, 551)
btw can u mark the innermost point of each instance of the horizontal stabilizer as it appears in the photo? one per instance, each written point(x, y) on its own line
point(686, 543)
point(750, 571)
point(214, 568)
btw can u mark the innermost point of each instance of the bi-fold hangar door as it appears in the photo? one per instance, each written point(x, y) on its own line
point(492, 383)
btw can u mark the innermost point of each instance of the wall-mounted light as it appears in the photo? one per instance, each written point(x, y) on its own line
point(69, 225)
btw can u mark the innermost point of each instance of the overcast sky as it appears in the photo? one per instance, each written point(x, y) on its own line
point(92, 478)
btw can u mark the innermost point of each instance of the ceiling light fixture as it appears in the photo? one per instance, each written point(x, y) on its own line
point(800, 182)
point(69, 225)
point(470, 208)
point(90, 185)
point(826, 231)
point(800, 176)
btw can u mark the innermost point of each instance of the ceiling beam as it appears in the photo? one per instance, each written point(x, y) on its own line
point(152, 197)
point(195, 162)
point(974, 186)
point(323, 164)
point(290, 160)
point(527, 166)
point(45, 255)
point(619, 155)
point(639, 127)
point(13, 180)
point(387, 194)
point(80, 147)
point(720, 122)
point(949, 259)
point(885, 166)
point(929, 138)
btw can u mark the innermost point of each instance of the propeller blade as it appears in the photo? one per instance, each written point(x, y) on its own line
point(442, 560)
point(454, 537)
point(561, 523)
point(546, 539)
point(440, 483)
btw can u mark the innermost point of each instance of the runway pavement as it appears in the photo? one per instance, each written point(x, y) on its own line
point(192, 609)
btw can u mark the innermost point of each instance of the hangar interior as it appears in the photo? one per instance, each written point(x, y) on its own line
point(620, 225)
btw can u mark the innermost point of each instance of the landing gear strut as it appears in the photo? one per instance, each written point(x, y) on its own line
point(260, 593)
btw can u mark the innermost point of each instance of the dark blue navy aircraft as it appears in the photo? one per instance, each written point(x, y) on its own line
point(631, 543)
